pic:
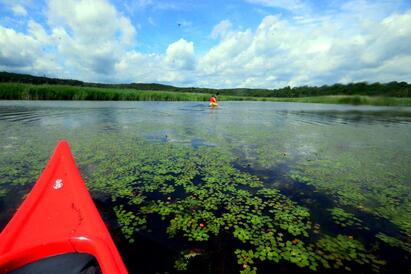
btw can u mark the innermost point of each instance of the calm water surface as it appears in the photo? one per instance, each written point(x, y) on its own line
point(347, 168)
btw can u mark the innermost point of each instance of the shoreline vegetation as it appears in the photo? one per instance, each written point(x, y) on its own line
point(26, 87)
point(19, 91)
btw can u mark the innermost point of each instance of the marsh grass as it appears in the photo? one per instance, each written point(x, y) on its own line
point(19, 91)
point(16, 91)
point(347, 99)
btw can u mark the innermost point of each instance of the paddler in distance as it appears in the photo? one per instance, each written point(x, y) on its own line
point(213, 101)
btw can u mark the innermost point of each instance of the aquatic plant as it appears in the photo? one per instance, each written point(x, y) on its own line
point(341, 249)
point(344, 218)
point(129, 222)
point(200, 195)
point(228, 191)
point(362, 185)
point(394, 242)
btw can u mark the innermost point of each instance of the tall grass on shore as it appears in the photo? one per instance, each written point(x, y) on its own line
point(350, 100)
point(19, 91)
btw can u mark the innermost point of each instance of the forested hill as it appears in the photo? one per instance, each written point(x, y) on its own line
point(394, 89)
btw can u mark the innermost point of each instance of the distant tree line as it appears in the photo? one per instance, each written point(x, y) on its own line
point(392, 89)
point(8, 77)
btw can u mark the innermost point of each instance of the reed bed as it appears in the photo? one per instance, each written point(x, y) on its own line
point(20, 91)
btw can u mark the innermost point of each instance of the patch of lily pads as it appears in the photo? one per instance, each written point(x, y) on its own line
point(208, 193)
point(345, 219)
point(200, 195)
point(395, 242)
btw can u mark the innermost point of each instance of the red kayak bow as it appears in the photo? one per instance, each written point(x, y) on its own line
point(58, 217)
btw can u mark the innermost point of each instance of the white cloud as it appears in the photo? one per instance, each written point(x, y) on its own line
point(281, 53)
point(19, 10)
point(225, 56)
point(369, 8)
point(221, 29)
point(92, 41)
point(177, 66)
point(292, 5)
point(137, 67)
point(90, 21)
point(37, 32)
point(91, 34)
point(24, 53)
point(180, 55)
point(17, 49)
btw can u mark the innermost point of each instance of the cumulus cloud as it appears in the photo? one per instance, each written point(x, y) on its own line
point(226, 54)
point(24, 52)
point(180, 55)
point(135, 66)
point(92, 35)
point(138, 67)
point(87, 38)
point(93, 41)
point(281, 53)
point(12, 53)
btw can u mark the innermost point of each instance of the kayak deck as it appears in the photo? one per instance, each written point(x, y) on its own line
point(58, 216)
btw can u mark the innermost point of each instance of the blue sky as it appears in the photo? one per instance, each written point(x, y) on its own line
point(242, 43)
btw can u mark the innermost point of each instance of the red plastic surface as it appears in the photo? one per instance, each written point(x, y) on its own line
point(58, 216)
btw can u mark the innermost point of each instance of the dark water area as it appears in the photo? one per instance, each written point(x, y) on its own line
point(249, 187)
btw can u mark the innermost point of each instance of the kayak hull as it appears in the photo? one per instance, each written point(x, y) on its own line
point(58, 216)
point(213, 104)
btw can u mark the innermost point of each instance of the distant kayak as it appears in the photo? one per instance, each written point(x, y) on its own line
point(58, 229)
point(213, 105)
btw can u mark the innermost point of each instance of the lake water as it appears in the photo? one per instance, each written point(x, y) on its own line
point(248, 186)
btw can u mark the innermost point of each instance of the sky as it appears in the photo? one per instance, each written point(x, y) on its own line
point(218, 44)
